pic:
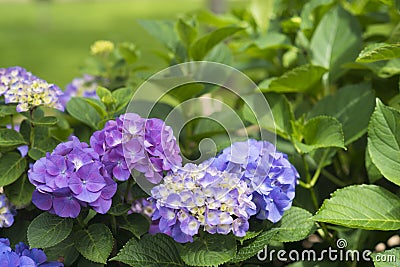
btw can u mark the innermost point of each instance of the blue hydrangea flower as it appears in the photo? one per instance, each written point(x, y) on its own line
point(268, 172)
point(134, 143)
point(84, 86)
point(20, 86)
point(69, 178)
point(23, 256)
point(7, 212)
point(201, 197)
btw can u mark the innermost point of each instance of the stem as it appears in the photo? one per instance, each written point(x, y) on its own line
point(333, 178)
point(128, 189)
point(114, 225)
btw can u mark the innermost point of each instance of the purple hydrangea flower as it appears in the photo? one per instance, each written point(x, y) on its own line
point(198, 196)
point(84, 86)
point(69, 178)
point(23, 256)
point(268, 172)
point(22, 87)
point(7, 212)
point(134, 143)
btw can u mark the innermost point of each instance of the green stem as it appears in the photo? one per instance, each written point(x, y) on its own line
point(333, 178)
point(128, 189)
point(113, 225)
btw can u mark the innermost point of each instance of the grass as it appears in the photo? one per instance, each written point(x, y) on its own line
point(52, 39)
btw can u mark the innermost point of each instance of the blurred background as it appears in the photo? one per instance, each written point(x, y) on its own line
point(52, 38)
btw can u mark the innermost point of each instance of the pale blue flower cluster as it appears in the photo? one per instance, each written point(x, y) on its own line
point(197, 196)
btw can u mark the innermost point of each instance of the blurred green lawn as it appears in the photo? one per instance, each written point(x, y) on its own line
point(52, 39)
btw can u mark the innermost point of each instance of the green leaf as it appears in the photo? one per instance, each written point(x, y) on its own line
point(119, 209)
point(387, 258)
point(46, 121)
point(11, 167)
point(209, 250)
point(122, 97)
point(8, 110)
point(367, 207)
point(87, 263)
point(82, 111)
point(10, 138)
point(135, 223)
point(301, 79)
point(64, 250)
point(282, 113)
point(152, 250)
point(321, 132)
point(254, 247)
point(296, 225)
point(373, 173)
point(336, 41)
point(128, 52)
point(47, 230)
point(352, 105)
point(186, 32)
point(105, 95)
point(384, 141)
point(379, 51)
point(20, 192)
point(309, 13)
point(94, 243)
point(162, 31)
point(272, 40)
point(202, 46)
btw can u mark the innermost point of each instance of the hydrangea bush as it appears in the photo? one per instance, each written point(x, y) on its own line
point(73, 162)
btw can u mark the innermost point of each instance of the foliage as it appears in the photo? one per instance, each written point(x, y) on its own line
point(330, 72)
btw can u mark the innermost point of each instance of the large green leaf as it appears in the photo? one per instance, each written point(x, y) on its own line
point(11, 167)
point(47, 230)
point(135, 223)
point(321, 131)
point(281, 109)
point(300, 79)
point(373, 173)
point(352, 105)
point(379, 51)
point(387, 258)
point(362, 206)
point(94, 243)
point(254, 247)
point(83, 111)
point(336, 41)
point(10, 138)
point(65, 250)
point(152, 250)
point(187, 32)
point(20, 192)
point(202, 46)
point(384, 141)
point(162, 30)
point(210, 250)
point(296, 224)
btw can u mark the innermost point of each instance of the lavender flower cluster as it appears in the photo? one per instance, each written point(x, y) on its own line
point(23, 256)
point(198, 195)
point(221, 194)
point(84, 86)
point(269, 174)
point(75, 175)
point(134, 143)
point(22, 87)
point(7, 212)
point(69, 178)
